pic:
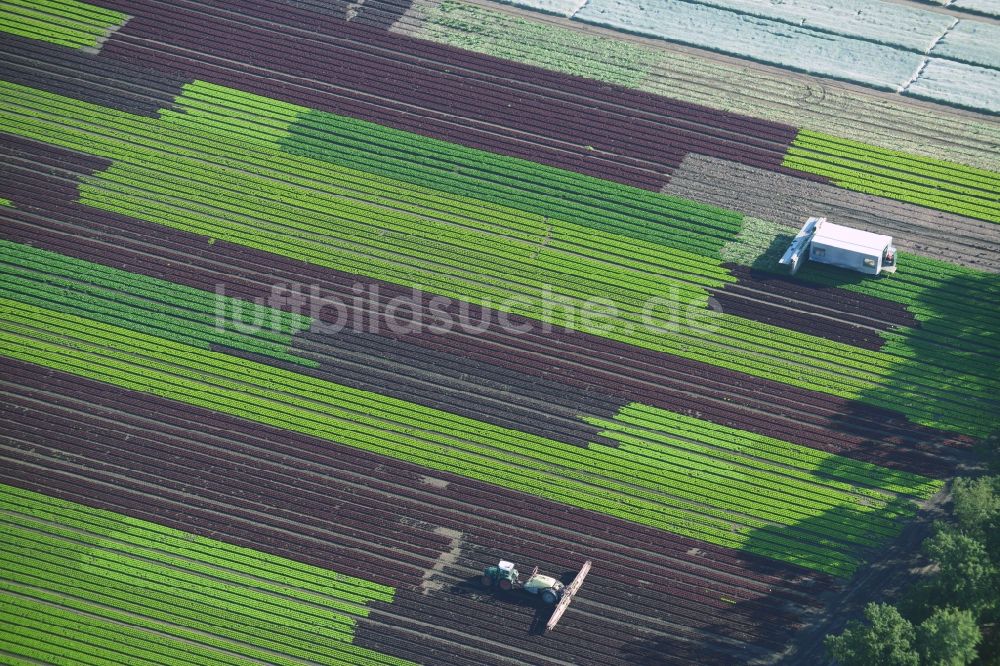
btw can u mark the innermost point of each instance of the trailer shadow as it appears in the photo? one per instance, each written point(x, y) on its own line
point(471, 587)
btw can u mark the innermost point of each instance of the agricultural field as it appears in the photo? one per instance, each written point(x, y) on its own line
point(311, 310)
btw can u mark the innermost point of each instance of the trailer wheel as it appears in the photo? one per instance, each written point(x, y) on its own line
point(549, 597)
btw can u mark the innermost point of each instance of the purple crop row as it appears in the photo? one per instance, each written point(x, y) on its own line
point(381, 15)
point(115, 83)
point(222, 466)
point(328, 31)
point(667, 601)
point(456, 384)
point(604, 381)
point(437, 125)
point(593, 364)
point(185, 422)
point(849, 305)
point(657, 141)
point(805, 322)
point(446, 381)
point(665, 604)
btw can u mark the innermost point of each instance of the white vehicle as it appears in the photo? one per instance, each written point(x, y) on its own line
point(828, 243)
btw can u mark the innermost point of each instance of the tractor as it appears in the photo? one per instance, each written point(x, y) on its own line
point(505, 576)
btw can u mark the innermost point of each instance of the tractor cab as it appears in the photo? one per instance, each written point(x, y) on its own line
point(503, 575)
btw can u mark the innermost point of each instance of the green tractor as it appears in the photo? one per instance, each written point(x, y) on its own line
point(504, 576)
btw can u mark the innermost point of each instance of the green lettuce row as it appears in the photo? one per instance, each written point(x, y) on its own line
point(193, 602)
point(423, 435)
point(86, 640)
point(64, 22)
point(341, 597)
point(919, 187)
point(481, 172)
point(697, 477)
point(54, 265)
point(870, 181)
point(780, 451)
point(741, 345)
point(944, 170)
point(386, 258)
point(87, 565)
point(659, 219)
point(237, 560)
point(924, 181)
point(802, 489)
point(322, 171)
point(70, 285)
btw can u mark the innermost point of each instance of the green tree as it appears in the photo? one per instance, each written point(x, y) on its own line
point(887, 639)
point(948, 638)
point(976, 504)
point(989, 449)
point(966, 578)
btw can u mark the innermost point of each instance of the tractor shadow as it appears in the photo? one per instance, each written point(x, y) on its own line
point(471, 587)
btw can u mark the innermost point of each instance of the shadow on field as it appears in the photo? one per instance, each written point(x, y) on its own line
point(947, 381)
point(513, 598)
point(811, 604)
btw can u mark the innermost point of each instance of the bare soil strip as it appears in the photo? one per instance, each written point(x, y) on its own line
point(789, 200)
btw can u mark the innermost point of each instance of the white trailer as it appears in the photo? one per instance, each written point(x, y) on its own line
point(828, 243)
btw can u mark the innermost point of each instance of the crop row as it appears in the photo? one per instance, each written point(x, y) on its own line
point(446, 178)
point(676, 611)
point(704, 81)
point(536, 353)
point(509, 182)
point(850, 306)
point(592, 363)
point(65, 22)
point(946, 172)
point(786, 453)
point(72, 72)
point(341, 287)
point(804, 322)
point(924, 181)
point(296, 471)
point(324, 48)
point(430, 437)
point(555, 120)
point(50, 546)
point(306, 497)
point(757, 357)
point(765, 344)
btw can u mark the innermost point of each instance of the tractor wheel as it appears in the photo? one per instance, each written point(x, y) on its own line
point(504, 584)
point(486, 581)
point(549, 597)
